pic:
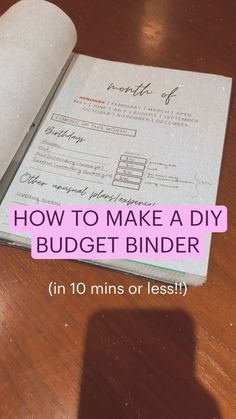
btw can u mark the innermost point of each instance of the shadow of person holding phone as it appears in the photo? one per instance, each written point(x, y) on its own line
point(139, 364)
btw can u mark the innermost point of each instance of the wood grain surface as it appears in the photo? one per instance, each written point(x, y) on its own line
point(122, 356)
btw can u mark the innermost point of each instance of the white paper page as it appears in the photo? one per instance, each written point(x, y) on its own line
point(36, 39)
point(103, 143)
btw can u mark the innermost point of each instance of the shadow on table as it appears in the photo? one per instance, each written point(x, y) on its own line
point(140, 364)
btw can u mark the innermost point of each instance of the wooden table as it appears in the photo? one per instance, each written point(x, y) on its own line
point(122, 356)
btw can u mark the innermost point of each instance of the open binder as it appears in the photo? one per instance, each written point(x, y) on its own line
point(79, 130)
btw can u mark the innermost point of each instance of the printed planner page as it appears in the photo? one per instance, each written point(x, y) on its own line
point(118, 133)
